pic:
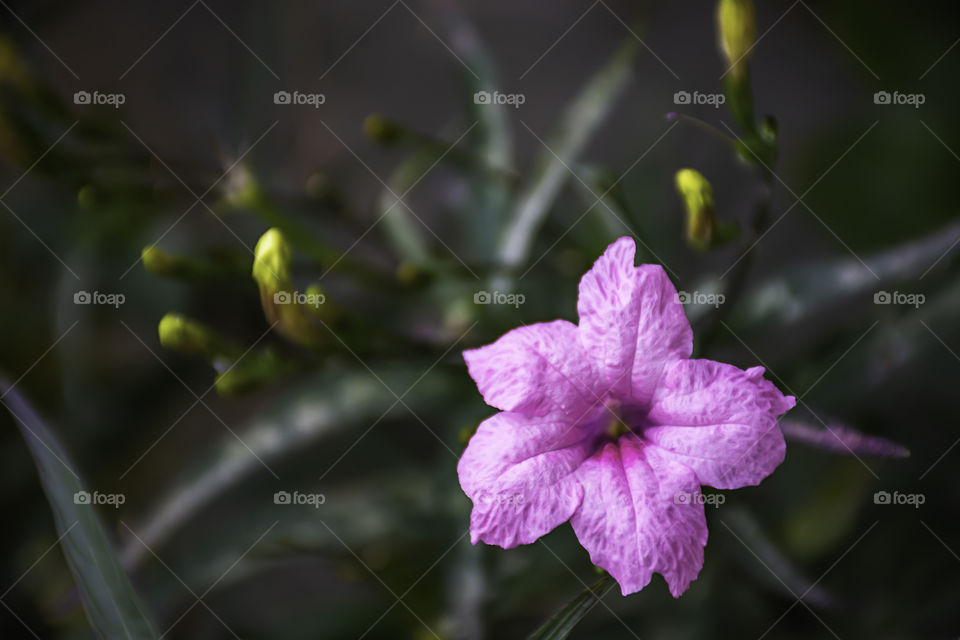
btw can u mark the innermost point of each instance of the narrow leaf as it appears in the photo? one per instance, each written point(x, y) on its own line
point(401, 230)
point(577, 125)
point(598, 189)
point(320, 407)
point(490, 195)
point(808, 289)
point(560, 625)
point(776, 568)
point(112, 606)
point(492, 135)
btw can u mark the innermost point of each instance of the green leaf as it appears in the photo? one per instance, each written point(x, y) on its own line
point(803, 291)
point(490, 196)
point(775, 568)
point(600, 191)
point(385, 512)
point(576, 127)
point(401, 230)
point(113, 607)
point(560, 625)
point(318, 407)
point(492, 136)
point(829, 515)
point(908, 341)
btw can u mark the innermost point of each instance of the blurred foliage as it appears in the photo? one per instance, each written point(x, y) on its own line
point(204, 398)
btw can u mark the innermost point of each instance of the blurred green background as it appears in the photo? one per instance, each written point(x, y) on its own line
point(200, 160)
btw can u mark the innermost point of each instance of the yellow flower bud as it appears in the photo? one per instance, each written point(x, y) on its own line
point(171, 265)
point(179, 333)
point(697, 195)
point(271, 262)
point(12, 70)
point(87, 197)
point(737, 22)
point(281, 304)
point(156, 261)
point(381, 130)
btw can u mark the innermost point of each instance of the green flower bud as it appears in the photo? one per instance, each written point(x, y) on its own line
point(697, 195)
point(381, 130)
point(409, 273)
point(252, 371)
point(769, 130)
point(179, 333)
point(241, 189)
point(271, 262)
point(168, 265)
point(158, 262)
point(281, 304)
point(319, 187)
point(12, 70)
point(465, 433)
point(737, 22)
point(87, 197)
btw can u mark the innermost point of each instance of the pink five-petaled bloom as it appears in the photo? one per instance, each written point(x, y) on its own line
point(611, 425)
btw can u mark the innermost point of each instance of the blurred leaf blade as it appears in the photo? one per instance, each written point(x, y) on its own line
point(493, 137)
point(777, 569)
point(403, 233)
point(490, 195)
point(576, 127)
point(296, 420)
point(599, 190)
point(562, 624)
point(900, 345)
point(803, 291)
point(112, 606)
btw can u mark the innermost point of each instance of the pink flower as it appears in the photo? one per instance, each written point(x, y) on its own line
point(609, 424)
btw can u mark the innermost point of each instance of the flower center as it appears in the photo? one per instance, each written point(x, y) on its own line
point(617, 419)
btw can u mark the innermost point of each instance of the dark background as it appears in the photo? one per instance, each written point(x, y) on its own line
point(880, 177)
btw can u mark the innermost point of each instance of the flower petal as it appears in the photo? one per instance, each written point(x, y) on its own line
point(664, 334)
point(719, 421)
point(637, 516)
point(631, 321)
point(519, 472)
point(536, 370)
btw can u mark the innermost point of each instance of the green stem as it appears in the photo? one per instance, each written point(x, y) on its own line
point(712, 321)
point(703, 126)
